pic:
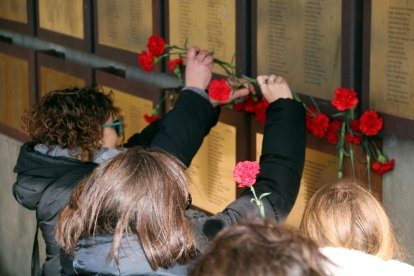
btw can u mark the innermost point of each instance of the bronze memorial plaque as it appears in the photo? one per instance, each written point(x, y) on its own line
point(52, 79)
point(14, 95)
point(126, 24)
point(14, 10)
point(135, 99)
point(212, 187)
point(209, 24)
point(391, 58)
point(63, 17)
point(301, 40)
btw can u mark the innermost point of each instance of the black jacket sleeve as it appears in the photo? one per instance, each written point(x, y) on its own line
point(183, 129)
point(283, 156)
point(145, 137)
point(281, 166)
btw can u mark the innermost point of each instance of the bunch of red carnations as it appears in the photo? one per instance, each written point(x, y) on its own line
point(344, 130)
point(362, 131)
point(219, 89)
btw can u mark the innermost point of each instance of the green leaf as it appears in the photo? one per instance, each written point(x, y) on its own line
point(339, 114)
point(249, 79)
point(263, 195)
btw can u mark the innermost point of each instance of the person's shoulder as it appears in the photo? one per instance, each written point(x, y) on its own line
point(354, 262)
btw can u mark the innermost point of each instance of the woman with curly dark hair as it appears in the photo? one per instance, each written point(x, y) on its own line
point(71, 119)
point(68, 141)
point(75, 129)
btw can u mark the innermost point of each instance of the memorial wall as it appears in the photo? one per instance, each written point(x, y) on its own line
point(316, 45)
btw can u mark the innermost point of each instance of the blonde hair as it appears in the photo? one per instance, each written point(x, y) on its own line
point(346, 215)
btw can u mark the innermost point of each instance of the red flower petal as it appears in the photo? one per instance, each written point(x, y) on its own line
point(332, 132)
point(156, 45)
point(151, 118)
point(172, 64)
point(219, 90)
point(146, 61)
point(345, 99)
point(383, 167)
point(370, 124)
point(245, 173)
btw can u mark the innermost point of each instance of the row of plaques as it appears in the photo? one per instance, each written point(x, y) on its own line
point(317, 45)
point(236, 137)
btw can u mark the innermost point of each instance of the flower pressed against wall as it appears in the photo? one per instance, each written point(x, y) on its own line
point(342, 129)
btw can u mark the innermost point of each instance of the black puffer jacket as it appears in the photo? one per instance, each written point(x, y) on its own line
point(44, 183)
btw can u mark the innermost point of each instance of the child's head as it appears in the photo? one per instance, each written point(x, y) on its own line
point(142, 192)
point(346, 215)
point(260, 248)
point(71, 118)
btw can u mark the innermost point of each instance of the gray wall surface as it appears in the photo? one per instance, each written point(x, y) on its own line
point(17, 224)
point(398, 190)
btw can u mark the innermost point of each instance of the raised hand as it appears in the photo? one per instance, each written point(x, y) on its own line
point(274, 87)
point(199, 68)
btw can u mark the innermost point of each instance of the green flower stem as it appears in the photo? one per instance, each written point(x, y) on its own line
point(369, 172)
point(173, 47)
point(351, 155)
point(351, 114)
point(341, 151)
point(155, 109)
point(258, 203)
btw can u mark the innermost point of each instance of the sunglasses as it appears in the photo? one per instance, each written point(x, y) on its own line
point(188, 202)
point(117, 125)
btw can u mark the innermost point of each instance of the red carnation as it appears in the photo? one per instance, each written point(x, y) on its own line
point(345, 99)
point(151, 118)
point(311, 114)
point(370, 124)
point(332, 133)
point(248, 105)
point(219, 90)
point(146, 61)
point(156, 45)
point(245, 173)
point(354, 138)
point(316, 122)
point(172, 64)
point(260, 110)
point(383, 167)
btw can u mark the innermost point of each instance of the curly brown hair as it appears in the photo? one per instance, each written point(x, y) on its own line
point(71, 118)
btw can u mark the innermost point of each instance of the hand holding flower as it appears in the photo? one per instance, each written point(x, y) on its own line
point(274, 87)
point(199, 68)
point(224, 91)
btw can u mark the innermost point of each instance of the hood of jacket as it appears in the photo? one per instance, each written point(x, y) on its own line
point(91, 258)
point(44, 183)
point(353, 262)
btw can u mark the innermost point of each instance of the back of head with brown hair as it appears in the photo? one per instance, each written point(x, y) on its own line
point(346, 215)
point(260, 248)
point(141, 192)
point(70, 118)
